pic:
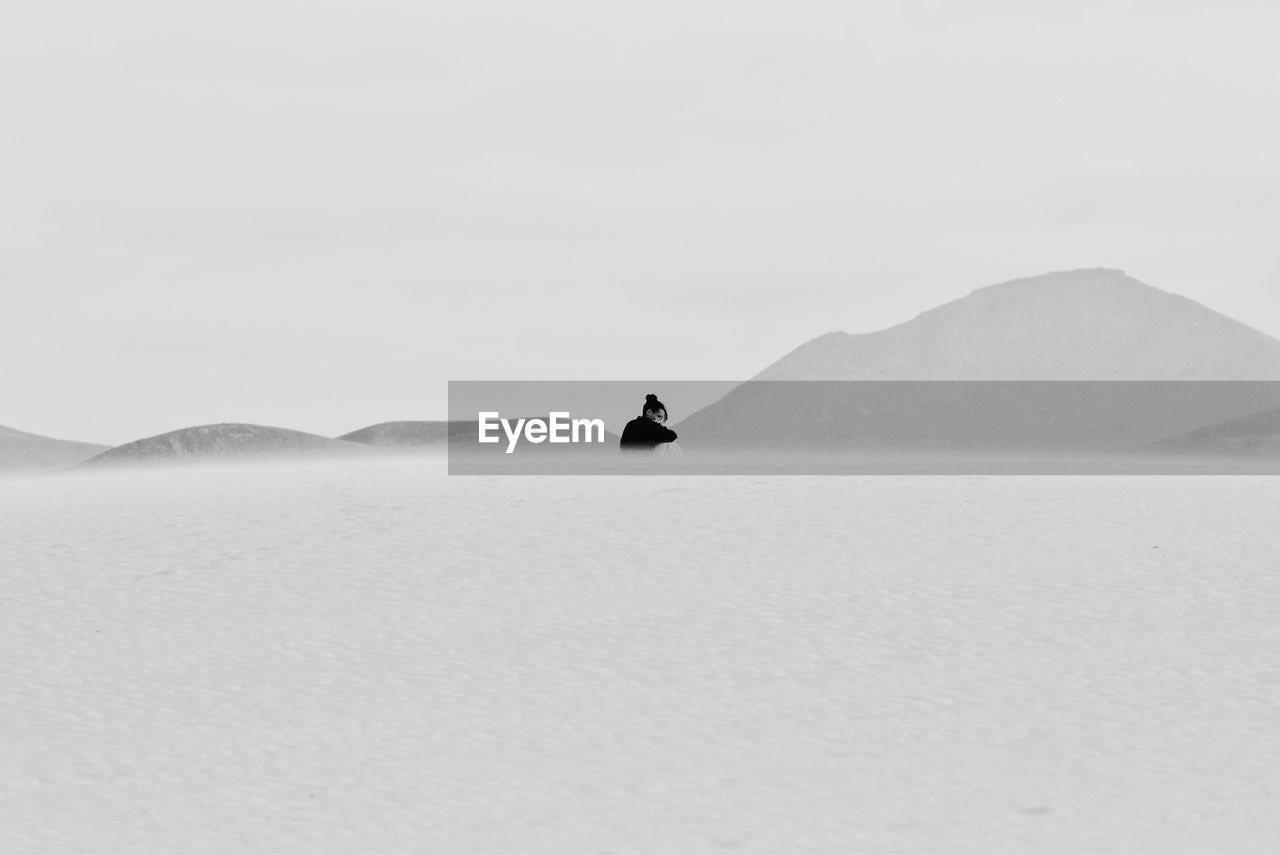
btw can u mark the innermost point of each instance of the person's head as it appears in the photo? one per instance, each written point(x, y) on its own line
point(654, 409)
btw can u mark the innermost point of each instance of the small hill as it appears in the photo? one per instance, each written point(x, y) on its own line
point(1256, 434)
point(29, 452)
point(228, 440)
point(407, 434)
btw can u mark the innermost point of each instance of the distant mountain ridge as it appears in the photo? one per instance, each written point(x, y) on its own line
point(1085, 326)
point(28, 452)
point(222, 441)
point(1090, 324)
point(403, 434)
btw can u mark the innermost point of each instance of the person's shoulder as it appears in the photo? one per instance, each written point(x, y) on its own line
point(634, 427)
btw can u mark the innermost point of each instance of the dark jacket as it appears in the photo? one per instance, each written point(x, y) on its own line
point(643, 434)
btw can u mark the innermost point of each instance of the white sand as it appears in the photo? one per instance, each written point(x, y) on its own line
point(372, 657)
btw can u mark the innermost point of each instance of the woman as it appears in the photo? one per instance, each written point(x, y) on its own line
point(648, 432)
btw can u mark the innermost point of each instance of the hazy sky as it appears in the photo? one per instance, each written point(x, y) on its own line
point(315, 214)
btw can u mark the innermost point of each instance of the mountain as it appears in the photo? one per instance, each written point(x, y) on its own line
point(1077, 332)
point(1255, 434)
point(224, 441)
point(1095, 324)
point(29, 452)
point(408, 434)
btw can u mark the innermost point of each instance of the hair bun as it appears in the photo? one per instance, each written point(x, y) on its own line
point(651, 399)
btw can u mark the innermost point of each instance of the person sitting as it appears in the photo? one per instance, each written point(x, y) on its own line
point(647, 431)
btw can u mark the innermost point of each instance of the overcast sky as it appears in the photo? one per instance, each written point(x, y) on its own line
point(314, 214)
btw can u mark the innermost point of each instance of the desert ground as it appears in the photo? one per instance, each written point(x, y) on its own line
point(374, 656)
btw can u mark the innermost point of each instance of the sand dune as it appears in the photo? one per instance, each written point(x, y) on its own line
point(225, 441)
point(29, 452)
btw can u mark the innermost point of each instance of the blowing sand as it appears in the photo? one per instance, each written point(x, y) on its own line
point(372, 656)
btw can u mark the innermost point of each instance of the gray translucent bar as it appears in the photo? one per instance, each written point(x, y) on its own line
point(870, 427)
